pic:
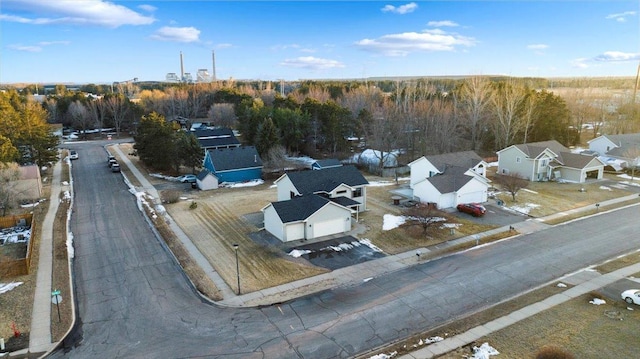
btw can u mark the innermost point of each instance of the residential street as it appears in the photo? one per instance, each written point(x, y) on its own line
point(134, 301)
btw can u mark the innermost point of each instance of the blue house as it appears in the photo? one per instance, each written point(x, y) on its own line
point(234, 164)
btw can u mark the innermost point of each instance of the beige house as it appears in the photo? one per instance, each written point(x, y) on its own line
point(548, 160)
point(306, 217)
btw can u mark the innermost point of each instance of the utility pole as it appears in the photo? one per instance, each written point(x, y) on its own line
point(635, 88)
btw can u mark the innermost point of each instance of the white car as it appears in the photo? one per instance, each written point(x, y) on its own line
point(187, 179)
point(631, 296)
point(73, 155)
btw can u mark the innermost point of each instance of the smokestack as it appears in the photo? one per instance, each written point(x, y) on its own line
point(213, 70)
point(181, 67)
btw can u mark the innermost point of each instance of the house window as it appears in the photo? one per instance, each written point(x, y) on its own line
point(545, 162)
point(341, 192)
point(357, 192)
point(518, 159)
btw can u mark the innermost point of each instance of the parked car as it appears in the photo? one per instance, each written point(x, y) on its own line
point(112, 162)
point(110, 157)
point(73, 155)
point(115, 167)
point(474, 209)
point(187, 178)
point(631, 296)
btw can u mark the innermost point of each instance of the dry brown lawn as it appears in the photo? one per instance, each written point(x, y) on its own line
point(586, 330)
point(551, 197)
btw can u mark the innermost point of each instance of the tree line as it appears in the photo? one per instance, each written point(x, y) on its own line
point(419, 116)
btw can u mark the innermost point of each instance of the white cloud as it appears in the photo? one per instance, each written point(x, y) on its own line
point(38, 47)
point(407, 42)
point(621, 17)
point(147, 8)
point(312, 63)
point(580, 63)
point(402, 9)
point(224, 46)
point(178, 34)
point(87, 12)
point(26, 48)
point(616, 56)
point(443, 23)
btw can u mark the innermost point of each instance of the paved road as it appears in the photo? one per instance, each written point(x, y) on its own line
point(133, 300)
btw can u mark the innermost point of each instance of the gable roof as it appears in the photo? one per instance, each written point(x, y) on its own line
point(330, 162)
point(573, 160)
point(234, 158)
point(307, 182)
point(299, 208)
point(452, 180)
point(534, 149)
point(216, 137)
point(624, 142)
point(464, 159)
point(203, 174)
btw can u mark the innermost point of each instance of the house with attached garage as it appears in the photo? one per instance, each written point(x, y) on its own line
point(234, 164)
point(344, 185)
point(548, 160)
point(449, 179)
point(619, 151)
point(306, 217)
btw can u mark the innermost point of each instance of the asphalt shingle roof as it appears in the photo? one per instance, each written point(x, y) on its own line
point(299, 208)
point(465, 159)
point(218, 137)
point(534, 149)
point(234, 158)
point(450, 181)
point(331, 162)
point(307, 182)
point(624, 143)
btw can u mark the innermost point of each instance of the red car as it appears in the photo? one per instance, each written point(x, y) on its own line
point(474, 209)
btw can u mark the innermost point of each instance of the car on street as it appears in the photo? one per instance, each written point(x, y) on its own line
point(187, 179)
point(115, 167)
point(112, 162)
point(631, 296)
point(73, 155)
point(474, 209)
point(110, 157)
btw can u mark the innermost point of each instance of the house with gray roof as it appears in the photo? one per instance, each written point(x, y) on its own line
point(306, 217)
point(619, 151)
point(234, 164)
point(548, 160)
point(344, 183)
point(324, 164)
point(449, 179)
point(216, 138)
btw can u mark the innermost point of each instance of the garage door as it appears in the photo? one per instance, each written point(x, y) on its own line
point(472, 197)
point(328, 227)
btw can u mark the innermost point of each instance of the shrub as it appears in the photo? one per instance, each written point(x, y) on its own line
point(193, 205)
point(170, 196)
point(551, 352)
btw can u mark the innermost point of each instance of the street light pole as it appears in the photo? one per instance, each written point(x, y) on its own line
point(235, 246)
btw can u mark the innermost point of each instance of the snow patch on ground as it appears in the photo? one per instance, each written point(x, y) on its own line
point(338, 248)
point(5, 287)
point(525, 208)
point(484, 351)
point(561, 285)
point(380, 183)
point(606, 188)
point(597, 301)
point(389, 222)
point(529, 190)
point(296, 253)
point(251, 183)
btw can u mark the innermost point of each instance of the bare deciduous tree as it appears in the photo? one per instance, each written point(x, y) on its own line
point(118, 108)
point(223, 114)
point(474, 99)
point(506, 101)
point(512, 183)
point(80, 117)
point(424, 216)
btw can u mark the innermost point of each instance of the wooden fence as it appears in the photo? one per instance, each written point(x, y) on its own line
point(18, 266)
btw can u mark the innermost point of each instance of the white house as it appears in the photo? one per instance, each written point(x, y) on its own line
point(548, 160)
point(344, 185)
point(306, 217)
point(449, 179)
point(617, 149)
point(206, 180)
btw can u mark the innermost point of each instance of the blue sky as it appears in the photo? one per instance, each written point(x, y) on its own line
point(100, 41)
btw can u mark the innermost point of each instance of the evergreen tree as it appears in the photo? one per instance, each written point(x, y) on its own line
point(267, 137)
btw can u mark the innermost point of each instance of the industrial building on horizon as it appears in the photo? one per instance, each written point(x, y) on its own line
point(202, 75)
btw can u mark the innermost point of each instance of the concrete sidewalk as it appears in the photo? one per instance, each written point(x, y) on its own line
point(40, 331)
